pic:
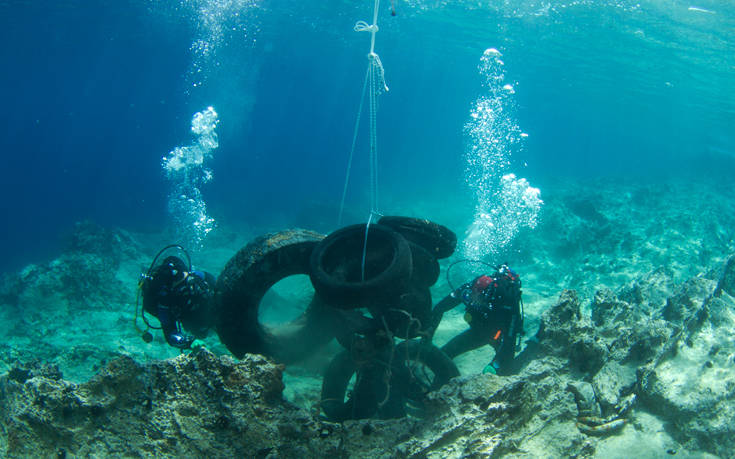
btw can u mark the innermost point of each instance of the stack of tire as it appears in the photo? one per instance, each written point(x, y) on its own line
point(384, 268)
point(393, 279)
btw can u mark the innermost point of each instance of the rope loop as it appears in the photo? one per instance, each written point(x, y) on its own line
point(362, 26)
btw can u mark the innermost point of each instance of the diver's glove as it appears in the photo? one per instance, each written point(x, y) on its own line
point(196, 345)
point(197, 285)
point(463, 292)
point(490, 368)
point(180, 341)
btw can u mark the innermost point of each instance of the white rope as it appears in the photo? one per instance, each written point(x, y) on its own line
point(364, 248)
point(362, 26)
point(352, 149)
point(373, 141)
point(375, 83)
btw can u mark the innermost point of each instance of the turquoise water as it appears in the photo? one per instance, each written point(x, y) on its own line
point(590, 145)
point(97, 93)
point(607, 98)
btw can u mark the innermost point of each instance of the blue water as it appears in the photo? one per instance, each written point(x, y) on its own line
point(95, 92)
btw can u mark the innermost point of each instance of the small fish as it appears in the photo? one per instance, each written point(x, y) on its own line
point(700, 10)
point(603, 429)
point(593, 421)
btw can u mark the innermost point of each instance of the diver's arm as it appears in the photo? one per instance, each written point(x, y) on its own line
point(448, 302)
point(171, 331)
point(453, 299)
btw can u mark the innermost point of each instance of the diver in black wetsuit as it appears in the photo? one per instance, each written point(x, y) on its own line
point(494, 314)
point(180, 298)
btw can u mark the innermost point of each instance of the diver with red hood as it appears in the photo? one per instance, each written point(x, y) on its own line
point(494, 313)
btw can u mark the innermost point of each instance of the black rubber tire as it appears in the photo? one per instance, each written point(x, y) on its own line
point(334, 387)
point(407, 316)
point(425, 266)
point(352, 322)
point(430, 356)
point(439, 240)
point(369, 389)
point(247, 276)
point(336, 266)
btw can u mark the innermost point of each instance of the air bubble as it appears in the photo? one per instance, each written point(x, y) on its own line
point(184, 168)
point(504, 202)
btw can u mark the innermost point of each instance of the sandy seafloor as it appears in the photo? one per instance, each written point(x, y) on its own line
point(76, 311)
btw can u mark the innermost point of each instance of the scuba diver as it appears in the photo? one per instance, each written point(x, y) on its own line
point(180, 298)
point(494, 313)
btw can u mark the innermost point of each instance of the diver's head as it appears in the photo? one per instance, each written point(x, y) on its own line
point(175, 264)
point(171, 270)
point(481, 283)
point(476, 295)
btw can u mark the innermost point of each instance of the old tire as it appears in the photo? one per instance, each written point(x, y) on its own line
point(408, 315)
point(362, 401)
point(425, 271)
point(336, 266)
point(417, 357)
point(247, 276)
point(407, 384)
point(439, 240)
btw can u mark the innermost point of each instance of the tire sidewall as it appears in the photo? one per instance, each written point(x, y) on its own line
point(330, 255)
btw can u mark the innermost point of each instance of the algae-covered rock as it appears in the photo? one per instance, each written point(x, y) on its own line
point(175, 408)
point(560, 325)
point(693, 385)
point(676, 354)
point(567, 333)
point(201, 405)
point(489, 416)
point(612, 382)
point(726, 281)
point(584, 396)
point(648, 291)
point(688, 298)
point(608, 309)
